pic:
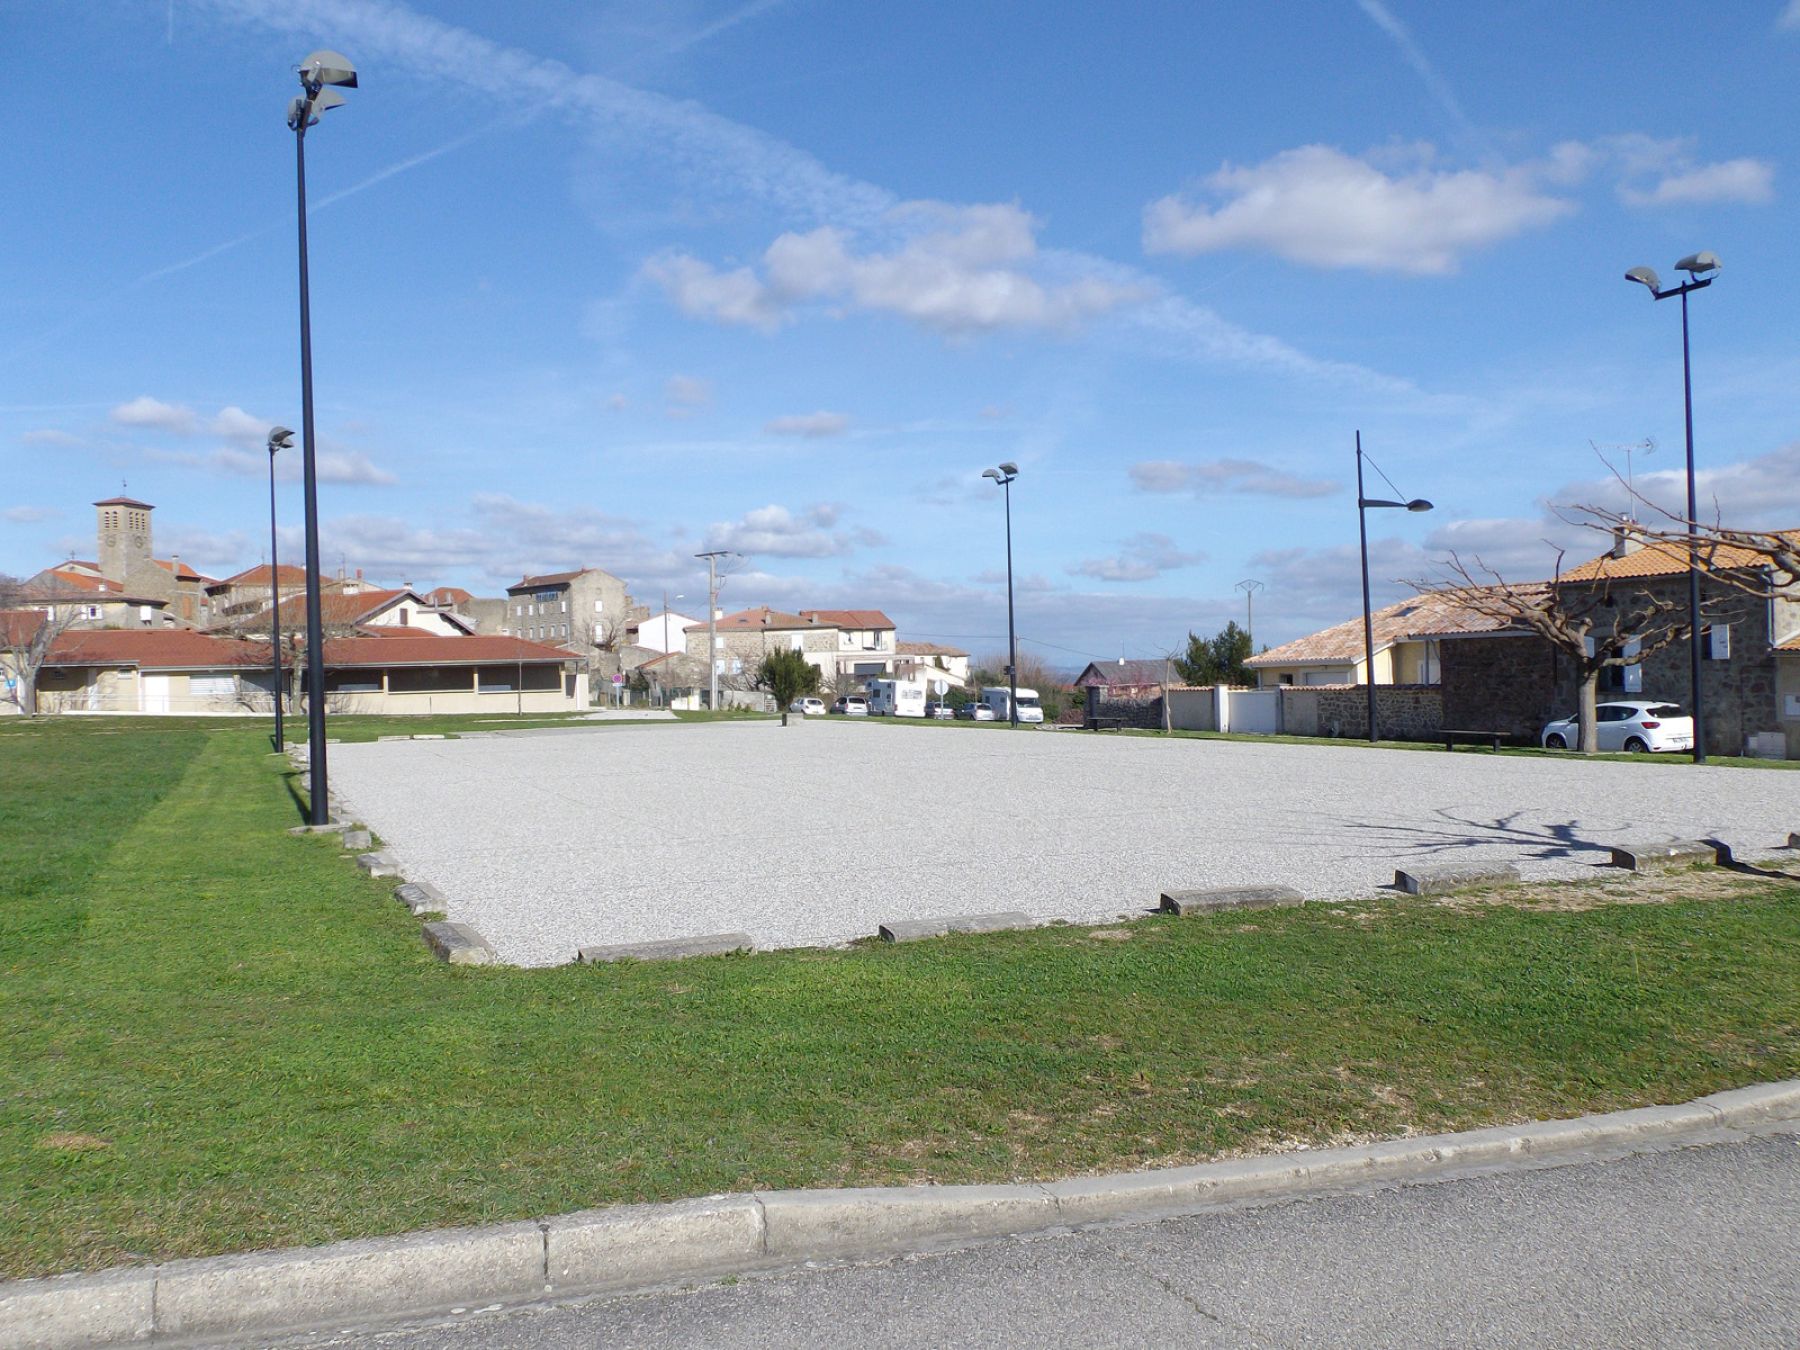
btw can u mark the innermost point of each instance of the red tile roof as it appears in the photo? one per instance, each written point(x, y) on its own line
point(762, 619)
point(154, 649)
point(927, 649)
point(1423, 616)
point(548, 579)
point(336, 609)
point(849, 618)
point(449, 595)
point(19, 626)
point(1658, 559)
point(432, 650)
point(259, 576)
point(181, 571)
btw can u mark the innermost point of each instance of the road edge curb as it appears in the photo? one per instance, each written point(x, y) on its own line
point(630, 1247)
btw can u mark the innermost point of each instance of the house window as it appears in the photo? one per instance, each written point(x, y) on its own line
point(600, 606)
point(565, 631)
point(1717, 640)
point(565, 608)
point(1628, 678)
point(403, 616)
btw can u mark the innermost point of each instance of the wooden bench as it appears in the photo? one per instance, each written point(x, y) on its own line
point(1450, 738)
point(1105, 723)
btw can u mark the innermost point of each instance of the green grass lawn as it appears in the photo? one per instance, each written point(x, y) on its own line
point(219, 1036)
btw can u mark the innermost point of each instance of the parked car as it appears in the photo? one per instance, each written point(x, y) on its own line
point(1635, 725)
point(851, 705)
point(941, 711)
point(812, 707)
point(975, 712)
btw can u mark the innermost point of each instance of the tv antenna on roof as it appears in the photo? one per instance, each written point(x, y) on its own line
point(1647, 446)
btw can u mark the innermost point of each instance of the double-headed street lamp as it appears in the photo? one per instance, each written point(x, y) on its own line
point(317, 73)
point(1363, 505)
point(1004, 476)
point(1694, 265)
point(280, 438)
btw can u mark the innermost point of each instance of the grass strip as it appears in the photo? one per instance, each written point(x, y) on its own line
point(221, 1037)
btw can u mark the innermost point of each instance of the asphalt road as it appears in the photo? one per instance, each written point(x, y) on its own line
point(816, 833)
point(1693, 1246)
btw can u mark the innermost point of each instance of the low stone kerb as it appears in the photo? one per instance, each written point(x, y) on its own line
point(458, 944)
point(1444, 877)
point(1216, 898)
point(421, 897)
point(1668, 853)
point(912, 930)
point(636, 1245)
point(670, 949)
point(378, 864)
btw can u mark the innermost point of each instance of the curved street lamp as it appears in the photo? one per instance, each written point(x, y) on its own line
point(317, 73)
point(280, 438)
point(1694, 265)
point(1363, 506)
point(1004, 476)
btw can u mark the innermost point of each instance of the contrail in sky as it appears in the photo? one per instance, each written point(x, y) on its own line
point(1383, 18)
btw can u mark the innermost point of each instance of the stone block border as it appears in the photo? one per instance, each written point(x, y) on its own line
point(1214, 899)
point(912, 930)
point(1446, 877)
point(631, 1247)
point(421, 897)
point(378, 864)
point(671, 949)
point(1668, 853)
point(458, 944)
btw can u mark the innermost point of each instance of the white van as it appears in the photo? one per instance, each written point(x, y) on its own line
point(1029, 708)
point(897, 698)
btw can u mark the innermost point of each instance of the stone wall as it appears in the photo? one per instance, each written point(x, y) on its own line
point(1406, 712)
point(1144, 713)
point(1516, 684)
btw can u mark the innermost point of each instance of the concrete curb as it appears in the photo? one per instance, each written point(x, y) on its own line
point(645, 1246)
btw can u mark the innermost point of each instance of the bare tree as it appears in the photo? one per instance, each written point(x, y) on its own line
point(1758, 562)
point(1596, 623)
point(30, 622)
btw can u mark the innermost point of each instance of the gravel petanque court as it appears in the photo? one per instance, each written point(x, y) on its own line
point(812, 835)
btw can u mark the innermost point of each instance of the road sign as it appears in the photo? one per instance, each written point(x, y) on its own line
point(940, 687)
point(618, 679)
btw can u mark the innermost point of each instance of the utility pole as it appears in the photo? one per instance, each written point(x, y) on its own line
point(1250, 587)
point(712, 623)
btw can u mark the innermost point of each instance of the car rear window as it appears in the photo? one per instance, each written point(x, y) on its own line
point(1665, 710)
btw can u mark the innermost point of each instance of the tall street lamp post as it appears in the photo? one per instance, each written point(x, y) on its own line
point(318, 71)
point(712, 624)
point(280, 438)
point(1363, 505)
point(1004, 476)
point(1694, 265)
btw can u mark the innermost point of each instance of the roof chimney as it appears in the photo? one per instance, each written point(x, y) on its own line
point(1625, 541)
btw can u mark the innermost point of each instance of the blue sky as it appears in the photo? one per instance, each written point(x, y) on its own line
point(609, 284)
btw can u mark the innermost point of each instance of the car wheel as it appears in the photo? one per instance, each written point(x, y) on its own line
point(1555, 743)
point(1636, 746)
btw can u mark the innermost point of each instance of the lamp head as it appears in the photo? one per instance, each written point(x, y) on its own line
point(1009, 468)
point(322, 68)
point(323, 100)
point(991, 473)
point(1418, 504)
point(1696, 263)
point(1645, 276)
point(280, 438)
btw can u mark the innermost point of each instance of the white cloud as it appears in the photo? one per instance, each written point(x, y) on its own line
point(1320, 206)
point(240, 428)
point(812, 426)
point(960, 270)
point(28, 515)
point(1143, 557)
point(1749, 182)
point(52, 436)
point(776, 532)
point(1762, 492)
point(152, 413)
point(1213, 476)
point(687, 394)
point(332, 466)
point(1790, 17)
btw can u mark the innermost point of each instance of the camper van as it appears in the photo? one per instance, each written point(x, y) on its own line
point(1029, 708)
point(897, 698)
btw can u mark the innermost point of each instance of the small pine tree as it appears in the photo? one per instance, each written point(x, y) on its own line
point(787, 675)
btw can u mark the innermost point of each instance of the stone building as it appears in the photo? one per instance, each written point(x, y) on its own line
point(1515, 681)
point(743, 639)
point(127, 585)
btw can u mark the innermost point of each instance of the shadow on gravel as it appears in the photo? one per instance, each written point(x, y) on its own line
point(1541, 841)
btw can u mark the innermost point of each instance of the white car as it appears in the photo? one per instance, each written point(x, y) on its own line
point(812, 707)
point(851, 705)
point(1638, 726)
point(975, 712)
